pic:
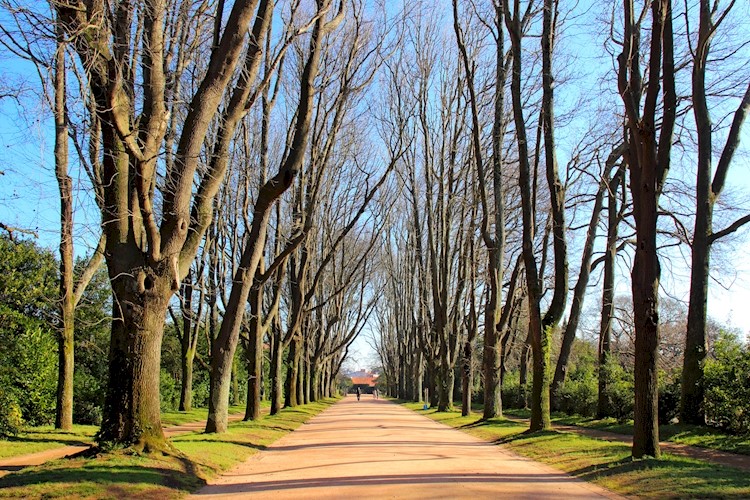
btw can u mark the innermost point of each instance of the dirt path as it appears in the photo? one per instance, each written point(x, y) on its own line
point(13, 464)
point(377, 449)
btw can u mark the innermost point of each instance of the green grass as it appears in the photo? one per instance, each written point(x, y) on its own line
point(123, 474)
point(692, 435)
point(43, 438)
point(170, 418)
point(605, 463)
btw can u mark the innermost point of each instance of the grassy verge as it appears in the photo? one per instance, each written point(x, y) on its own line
point(122, 474)
point(693, 435)
point(36, 439)
point(43, 438)
point(605, 463)
point(170, 418)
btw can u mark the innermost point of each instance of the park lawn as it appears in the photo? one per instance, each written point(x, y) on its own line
point(171, 418)
point(692, 435)
point(605, 463)
point(45, 437)
point(197, 458)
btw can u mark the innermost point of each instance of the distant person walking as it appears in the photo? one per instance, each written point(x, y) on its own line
point(359, 393)
point(375, 393)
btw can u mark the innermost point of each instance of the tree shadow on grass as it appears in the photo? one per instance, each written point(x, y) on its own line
point(114, 477)
point(40, 439)
point(692, 478)
point(497, 422)
point(259, 447)
point(527, 435)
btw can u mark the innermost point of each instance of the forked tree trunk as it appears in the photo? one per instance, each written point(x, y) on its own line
point(604, 401)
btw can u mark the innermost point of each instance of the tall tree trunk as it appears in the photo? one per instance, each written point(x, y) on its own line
point(254, 355)
point(604, 401)
point(65, 345)
point(495, 243)
point(707, 193)
point(648, 159)
point(277, 354)
point(579, 291)
point(523, 377)
point(226, 342)
point(186, 389)
point(292, 371)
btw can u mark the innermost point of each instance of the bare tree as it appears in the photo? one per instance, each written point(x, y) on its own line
point(149, 250)
point(708, 190)
point(648, 158)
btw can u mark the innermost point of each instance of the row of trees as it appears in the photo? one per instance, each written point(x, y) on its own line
point(281, 175)
point(480, 253)
point(234, 158)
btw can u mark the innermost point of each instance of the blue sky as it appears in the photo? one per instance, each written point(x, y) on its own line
point(29, 199)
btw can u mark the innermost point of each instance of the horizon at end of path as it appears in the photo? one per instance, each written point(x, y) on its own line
point(374, 448)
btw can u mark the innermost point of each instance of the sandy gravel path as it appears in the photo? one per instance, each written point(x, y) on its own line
point(377, 449)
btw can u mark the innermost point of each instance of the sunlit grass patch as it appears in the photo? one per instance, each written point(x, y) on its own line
point(693, 435)
point(170, 418)
point(42, 438)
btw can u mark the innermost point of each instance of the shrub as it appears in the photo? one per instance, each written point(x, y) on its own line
point(727, 385)
point(169, 391)
point(619, 391)
point(669, 397)
point(579, 396)
point(10, 415)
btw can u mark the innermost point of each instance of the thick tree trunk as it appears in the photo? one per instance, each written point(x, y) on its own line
point(645, 277)
point(66, 349)
point(132, 414)
point(649, 160)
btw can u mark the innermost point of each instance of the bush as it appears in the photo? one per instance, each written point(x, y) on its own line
point(89, 398)
point(619, 391)
point(669, 397)
point(727, 385)
point(10, 415)
point(28, 359)
point(513, 395)
point(579, 396)
point(169, 391)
